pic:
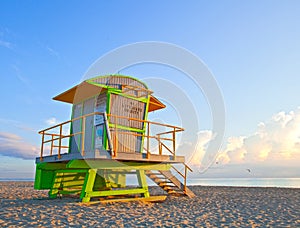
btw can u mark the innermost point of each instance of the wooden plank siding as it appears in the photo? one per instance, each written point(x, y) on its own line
point(118, 82)
point(123, 106)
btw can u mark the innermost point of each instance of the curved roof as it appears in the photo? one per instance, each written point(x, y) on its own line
point(94, 86)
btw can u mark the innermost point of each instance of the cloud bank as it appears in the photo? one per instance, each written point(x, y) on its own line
point(275, 143)
point(14, 146)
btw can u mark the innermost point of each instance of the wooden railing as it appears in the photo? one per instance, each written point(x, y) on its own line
point(58, 136)
point(169, 135)
point(184, 174)
point(54, 135)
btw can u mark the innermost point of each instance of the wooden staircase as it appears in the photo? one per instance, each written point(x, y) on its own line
point(169, 183)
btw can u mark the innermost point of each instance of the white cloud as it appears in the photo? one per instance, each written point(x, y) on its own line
point(5, 44)
point(52, 121)
point(275, 142)
point(16, 124)
point(14, 146)
point(273, 150)
point(197, 156)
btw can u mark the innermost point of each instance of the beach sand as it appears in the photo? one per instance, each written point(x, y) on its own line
point(21, 205)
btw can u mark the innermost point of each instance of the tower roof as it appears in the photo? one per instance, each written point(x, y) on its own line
point(97, 85)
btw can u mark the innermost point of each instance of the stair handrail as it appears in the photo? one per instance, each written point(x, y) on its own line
point(186, 168)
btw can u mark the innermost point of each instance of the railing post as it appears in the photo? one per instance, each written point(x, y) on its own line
point(116, 138)
point(108, 134)
point(42, 146)
point(159, 146)
point(185, 176)
point(174, 142)
point(51, 151)
point(59, 141)
point(82, 135)
point(148, 139)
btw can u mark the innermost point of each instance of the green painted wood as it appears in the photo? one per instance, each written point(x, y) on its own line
point(115, 165)
point(127, 128)
point(51, 165)
point(73, 170)
point(66, 192)
point(89, 185)
point(38, 179)
point(43, 179)
point(56, 185)
point(82, 193)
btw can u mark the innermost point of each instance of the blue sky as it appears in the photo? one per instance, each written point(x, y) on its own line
point(251, 47)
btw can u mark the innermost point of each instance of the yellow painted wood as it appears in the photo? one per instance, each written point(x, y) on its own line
point(141, 176)
point(89, 185)
point(149, 199)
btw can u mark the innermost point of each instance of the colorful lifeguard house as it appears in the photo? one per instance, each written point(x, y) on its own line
point(107, 139)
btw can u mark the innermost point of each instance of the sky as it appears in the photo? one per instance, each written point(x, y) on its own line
point(251, 47)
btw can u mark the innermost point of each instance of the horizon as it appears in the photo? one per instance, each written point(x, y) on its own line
point(252, 49)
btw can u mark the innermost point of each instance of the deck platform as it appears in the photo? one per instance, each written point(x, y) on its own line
point(121, 156)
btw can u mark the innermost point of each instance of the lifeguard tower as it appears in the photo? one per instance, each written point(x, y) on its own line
point(108, 139)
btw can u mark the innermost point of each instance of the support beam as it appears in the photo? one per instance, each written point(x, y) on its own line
point(141, 176)
point(89, 185)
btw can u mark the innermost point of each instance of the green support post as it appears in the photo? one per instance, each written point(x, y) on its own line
point(88, 188)
point(141, 176)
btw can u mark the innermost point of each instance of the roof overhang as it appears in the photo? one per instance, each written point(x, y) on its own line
point(155, 104)
point(79, 93)
point(84, 90)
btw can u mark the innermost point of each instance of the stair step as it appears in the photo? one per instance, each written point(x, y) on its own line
point(167, 188)
point(156, 176)
point(176, 193)
point(164, 183)
point(169, 183)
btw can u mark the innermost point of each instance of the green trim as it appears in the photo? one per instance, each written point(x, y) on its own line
point(80, 135)
point(145, 124)
point(93, 129)
point(112, 125)
point(105, 139)
point(141, 99)
point(71, 129)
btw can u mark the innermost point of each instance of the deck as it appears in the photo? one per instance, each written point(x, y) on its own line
point(121, 156)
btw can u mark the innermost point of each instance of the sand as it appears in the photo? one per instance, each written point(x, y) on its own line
point(213, 207)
